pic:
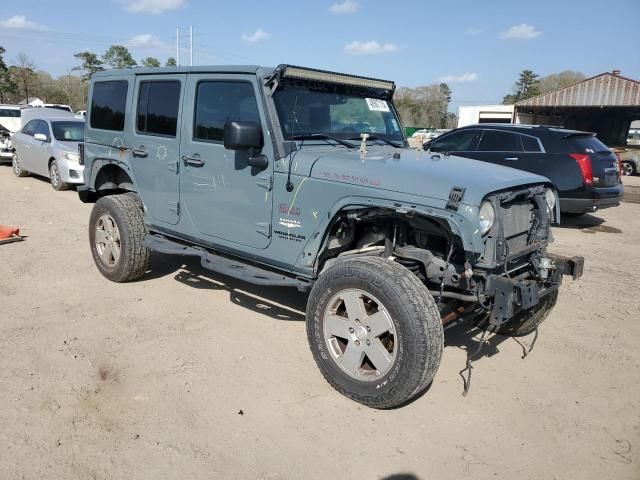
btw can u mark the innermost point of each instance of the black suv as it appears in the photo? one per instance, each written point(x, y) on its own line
point(584, 171)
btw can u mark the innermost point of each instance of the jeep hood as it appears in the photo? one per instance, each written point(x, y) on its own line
point(410, 171)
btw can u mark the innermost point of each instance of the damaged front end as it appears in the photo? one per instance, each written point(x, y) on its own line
point(515, 271)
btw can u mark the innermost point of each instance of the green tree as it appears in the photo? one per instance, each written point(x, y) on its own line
point(7, 85)
point(424, 106)
point(446, 99)
point(527, 86)
point(171, 62)
point(150, 62)
point(556, 81)
point(24, 74)
point(90, 64)
point(118, 57)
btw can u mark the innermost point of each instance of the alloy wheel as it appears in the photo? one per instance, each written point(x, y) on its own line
point(360, 335)
point(107, 240)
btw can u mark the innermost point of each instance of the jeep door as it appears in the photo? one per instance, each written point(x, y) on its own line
point(225, 197)
point(155, 141)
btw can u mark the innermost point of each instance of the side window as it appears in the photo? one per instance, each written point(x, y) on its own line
point(30, 128)
point(463, 141)
point(158, 106)
point(497, 141)
point(530, 144)
point(108, 104)
point(220, 102)
point(42, 127)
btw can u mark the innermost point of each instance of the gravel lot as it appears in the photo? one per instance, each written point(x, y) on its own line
point(186, 374)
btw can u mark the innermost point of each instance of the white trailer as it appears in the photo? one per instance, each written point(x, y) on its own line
point(485, 114)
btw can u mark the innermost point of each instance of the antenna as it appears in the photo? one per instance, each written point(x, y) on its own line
point(191, 45)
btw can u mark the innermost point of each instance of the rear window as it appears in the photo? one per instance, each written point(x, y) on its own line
point(68, 131)
point(530, 144)
point(108, 104)
point(6, 112)
point(582, 144)
point(158, 104)
point(497, 141)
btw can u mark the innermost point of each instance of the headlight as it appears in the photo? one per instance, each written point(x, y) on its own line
point(71, 156)
point(487, 216)
point(550, 198)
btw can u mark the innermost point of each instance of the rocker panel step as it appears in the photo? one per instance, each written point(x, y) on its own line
point(226, 266)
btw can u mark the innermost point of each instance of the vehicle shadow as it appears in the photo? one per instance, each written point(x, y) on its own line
point(588, 224)
point(280, 303)
point(587, 220)
point(467, 337)
point(43, 179)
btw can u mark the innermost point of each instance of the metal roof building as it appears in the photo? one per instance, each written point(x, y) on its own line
point(605, 104)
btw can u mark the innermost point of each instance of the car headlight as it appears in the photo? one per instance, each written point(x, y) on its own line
point(71, 156)
point(550, 198)
point(487, 216)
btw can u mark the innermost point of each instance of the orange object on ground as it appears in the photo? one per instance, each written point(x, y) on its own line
point(7, 232)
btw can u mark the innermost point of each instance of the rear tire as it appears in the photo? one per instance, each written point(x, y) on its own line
point(385, 347)
point(16, 165)
point(527, 321)
point(55, 179)
point(116, 232)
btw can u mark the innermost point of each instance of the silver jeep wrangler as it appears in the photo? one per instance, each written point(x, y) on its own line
point(302, 178)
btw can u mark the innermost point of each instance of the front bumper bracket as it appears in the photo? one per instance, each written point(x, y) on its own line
point(511, 296)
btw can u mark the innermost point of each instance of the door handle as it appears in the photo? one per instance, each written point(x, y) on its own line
point(139, 152)
point(511, 158)
point(194, 161)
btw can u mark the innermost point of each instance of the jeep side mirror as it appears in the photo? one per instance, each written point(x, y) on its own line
point(246, 136)
point(242, 136)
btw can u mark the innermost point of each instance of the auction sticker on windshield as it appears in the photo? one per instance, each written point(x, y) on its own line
point(377, 105)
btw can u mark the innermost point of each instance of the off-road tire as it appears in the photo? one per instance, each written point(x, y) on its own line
point(127, 213)
point(527, 321)
point(54, 177)
point(416, 320)
point(16, 166)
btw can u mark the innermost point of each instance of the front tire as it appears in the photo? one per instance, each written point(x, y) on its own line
point(16, 166)
point(375, 331)
point(628, 169)
point(55, 178)
point(116, 232)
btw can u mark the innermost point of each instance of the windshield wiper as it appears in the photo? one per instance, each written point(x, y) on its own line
point(388, 142)
point(322, 136)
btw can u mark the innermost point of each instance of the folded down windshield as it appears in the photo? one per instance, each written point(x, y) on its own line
point(334, 111)
point(68, 131)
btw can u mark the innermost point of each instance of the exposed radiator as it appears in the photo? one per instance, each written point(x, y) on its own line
point(516, 221)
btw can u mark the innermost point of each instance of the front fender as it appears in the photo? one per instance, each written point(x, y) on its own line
point(458, 222)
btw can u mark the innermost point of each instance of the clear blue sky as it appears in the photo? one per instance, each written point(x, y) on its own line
point(478, 47)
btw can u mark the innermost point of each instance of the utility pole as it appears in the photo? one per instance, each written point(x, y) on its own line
point(178, 46)
point(191, 45)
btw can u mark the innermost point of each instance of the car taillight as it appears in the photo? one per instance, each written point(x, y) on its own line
point(584, 162)
point(81, 153)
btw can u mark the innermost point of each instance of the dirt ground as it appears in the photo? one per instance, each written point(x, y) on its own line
point(186, 374)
